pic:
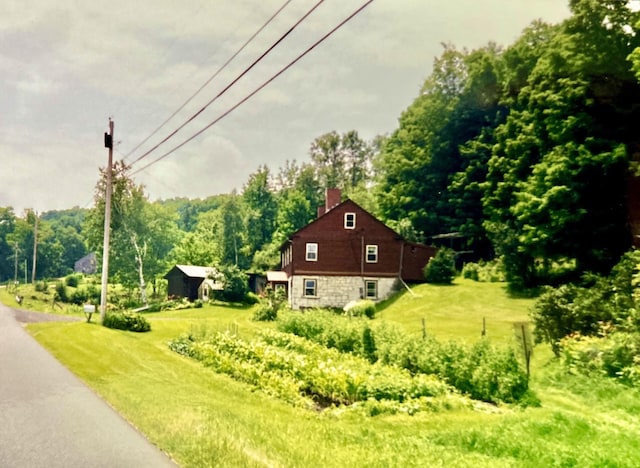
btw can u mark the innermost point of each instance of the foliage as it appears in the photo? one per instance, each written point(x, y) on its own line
point(235, 284)
point(363, 308)
point(486, 272)
point(306, 374)
point(271, 303)
point(73, 280)
point(42, 286)
point(569, 309)
point(126, 321)
point(441, 269)
point(61, 293)
point(482, 371)
point(615, 355)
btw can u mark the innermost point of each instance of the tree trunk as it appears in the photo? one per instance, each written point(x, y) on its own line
point(140, 254)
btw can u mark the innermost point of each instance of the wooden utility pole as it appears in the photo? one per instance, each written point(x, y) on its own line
point(35, 250)
point(108, 143)
point(15, 263)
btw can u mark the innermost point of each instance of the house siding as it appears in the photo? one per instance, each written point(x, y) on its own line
point(336, 291)
point(339, 263)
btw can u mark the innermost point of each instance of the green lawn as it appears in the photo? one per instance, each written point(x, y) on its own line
point(204, 419)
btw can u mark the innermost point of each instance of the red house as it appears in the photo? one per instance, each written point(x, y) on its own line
point(346, 254)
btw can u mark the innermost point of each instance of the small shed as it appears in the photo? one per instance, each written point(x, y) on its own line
point(277, 280)
point(191, 281)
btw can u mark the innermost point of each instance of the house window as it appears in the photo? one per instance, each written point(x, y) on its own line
point(349, 220)
point(312, 252)
point(371, 289)
point(372, 254)
point(310, 287)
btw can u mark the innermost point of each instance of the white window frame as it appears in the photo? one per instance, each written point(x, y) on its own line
point(311, 252)
point(315, 287)
point(375, 289)
point(350, 220)
point(374, 252)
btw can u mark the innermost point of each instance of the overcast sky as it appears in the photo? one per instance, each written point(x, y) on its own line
point(67, 66)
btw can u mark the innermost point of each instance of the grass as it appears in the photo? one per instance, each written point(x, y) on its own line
point(204, 419)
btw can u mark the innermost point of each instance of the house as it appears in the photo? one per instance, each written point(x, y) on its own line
point(86, 265)
point(192, 282)
point(347, 254)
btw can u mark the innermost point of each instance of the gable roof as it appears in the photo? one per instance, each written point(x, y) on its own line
point(193, 271)
point(333, 210)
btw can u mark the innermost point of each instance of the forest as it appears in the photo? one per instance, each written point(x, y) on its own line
point(527, 152)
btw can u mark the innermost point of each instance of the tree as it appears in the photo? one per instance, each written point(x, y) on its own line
point(141, 235)
point(341, 161)
point(260, 211)
point(555, 191)
point(7, 223)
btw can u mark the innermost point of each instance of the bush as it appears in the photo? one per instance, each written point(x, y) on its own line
point(616, 355)
point(364, 308)
point(235, 284)
point(42, 286)
point(441, 269)
point(485, 272)
point(61, 294)
point(73, 280)
point(265, 313)
point(126, 321)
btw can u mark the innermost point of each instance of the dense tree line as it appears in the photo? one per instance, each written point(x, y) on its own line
point(525, 151)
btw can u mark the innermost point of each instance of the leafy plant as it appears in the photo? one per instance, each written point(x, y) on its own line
point(441, 268)
point(126, 321)
point(364, 308)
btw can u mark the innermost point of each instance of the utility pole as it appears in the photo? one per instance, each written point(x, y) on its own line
point(108, 143)
point(15, 262)
point(35, 249)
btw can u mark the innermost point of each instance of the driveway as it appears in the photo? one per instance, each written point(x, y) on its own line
point(49, 418)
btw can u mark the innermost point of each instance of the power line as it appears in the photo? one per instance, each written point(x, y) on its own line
point(259, 88)
point(211, 78)
point(226, 88)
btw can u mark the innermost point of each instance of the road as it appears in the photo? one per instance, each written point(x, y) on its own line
point(49, 418)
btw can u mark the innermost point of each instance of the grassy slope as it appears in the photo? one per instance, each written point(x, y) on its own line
point(203, 419)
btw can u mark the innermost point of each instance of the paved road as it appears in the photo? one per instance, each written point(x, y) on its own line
point(48, 418)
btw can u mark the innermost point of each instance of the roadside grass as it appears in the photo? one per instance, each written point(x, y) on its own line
point(204, 419)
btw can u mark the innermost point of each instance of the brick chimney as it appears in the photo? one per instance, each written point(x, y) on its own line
point(332, 198)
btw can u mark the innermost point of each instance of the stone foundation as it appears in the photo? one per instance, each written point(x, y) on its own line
point(337, 291)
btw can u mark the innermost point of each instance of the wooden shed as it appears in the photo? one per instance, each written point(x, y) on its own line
point(187, 281)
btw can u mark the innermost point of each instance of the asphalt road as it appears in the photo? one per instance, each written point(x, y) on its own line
point(49, 418)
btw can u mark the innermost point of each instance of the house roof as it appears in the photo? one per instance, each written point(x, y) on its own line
point(193, 271)
point(277, 277)
point(332, 212)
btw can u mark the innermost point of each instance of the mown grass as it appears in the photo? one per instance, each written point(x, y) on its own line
point(204, 419)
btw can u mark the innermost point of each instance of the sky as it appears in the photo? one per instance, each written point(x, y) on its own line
point(68, 66)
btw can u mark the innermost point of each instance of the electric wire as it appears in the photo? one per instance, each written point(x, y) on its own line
point(255, 91)
point(211, 78)
point(226, 88)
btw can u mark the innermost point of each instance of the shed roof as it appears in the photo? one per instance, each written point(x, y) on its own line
point(193, 271)
point(277, 276)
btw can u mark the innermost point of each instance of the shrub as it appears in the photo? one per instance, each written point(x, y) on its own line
point(615, 355)
point(486, 272)
point(73, 280)
point(559, 312)
point(265, 313)
point(364, 308)
point(126, 321)
point(42, 286)
point(235, 284)
point(471, 271)
point(61, 294)
point(441, 269)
